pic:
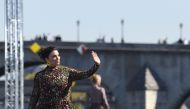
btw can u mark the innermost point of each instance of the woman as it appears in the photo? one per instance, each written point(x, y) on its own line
point(52, 85)
point(96, 94)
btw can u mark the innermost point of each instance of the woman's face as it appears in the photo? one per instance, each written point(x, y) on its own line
point(53, 59)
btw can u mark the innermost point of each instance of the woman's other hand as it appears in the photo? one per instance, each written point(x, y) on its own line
point(95, 57)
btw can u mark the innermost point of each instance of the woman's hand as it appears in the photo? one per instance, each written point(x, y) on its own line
point(95, 57)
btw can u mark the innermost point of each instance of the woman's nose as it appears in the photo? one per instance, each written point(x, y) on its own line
point(57, 57)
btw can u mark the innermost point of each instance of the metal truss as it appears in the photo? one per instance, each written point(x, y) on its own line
point(14, 90)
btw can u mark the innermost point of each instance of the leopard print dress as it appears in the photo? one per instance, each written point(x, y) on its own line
point(52, 87)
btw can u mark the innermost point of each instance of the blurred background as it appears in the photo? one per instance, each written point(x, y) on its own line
point(144, 47)
point(145, 21)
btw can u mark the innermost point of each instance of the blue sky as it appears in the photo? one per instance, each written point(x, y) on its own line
point(145, 20)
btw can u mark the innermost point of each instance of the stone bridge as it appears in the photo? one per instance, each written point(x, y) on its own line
point(140, 76)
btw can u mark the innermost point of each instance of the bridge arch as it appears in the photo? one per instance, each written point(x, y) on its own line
point(183, 98)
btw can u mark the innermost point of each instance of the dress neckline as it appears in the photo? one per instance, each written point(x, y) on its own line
point(52, 68)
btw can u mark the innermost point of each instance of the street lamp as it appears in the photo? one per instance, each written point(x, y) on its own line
point(78, 30)
point(122, 31)
point(181, 29)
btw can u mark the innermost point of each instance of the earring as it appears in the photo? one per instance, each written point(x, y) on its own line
point(48, 63)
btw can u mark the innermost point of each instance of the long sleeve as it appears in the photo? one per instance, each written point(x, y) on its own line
point(78, 75)
point(35, 93)
point(105, 101)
